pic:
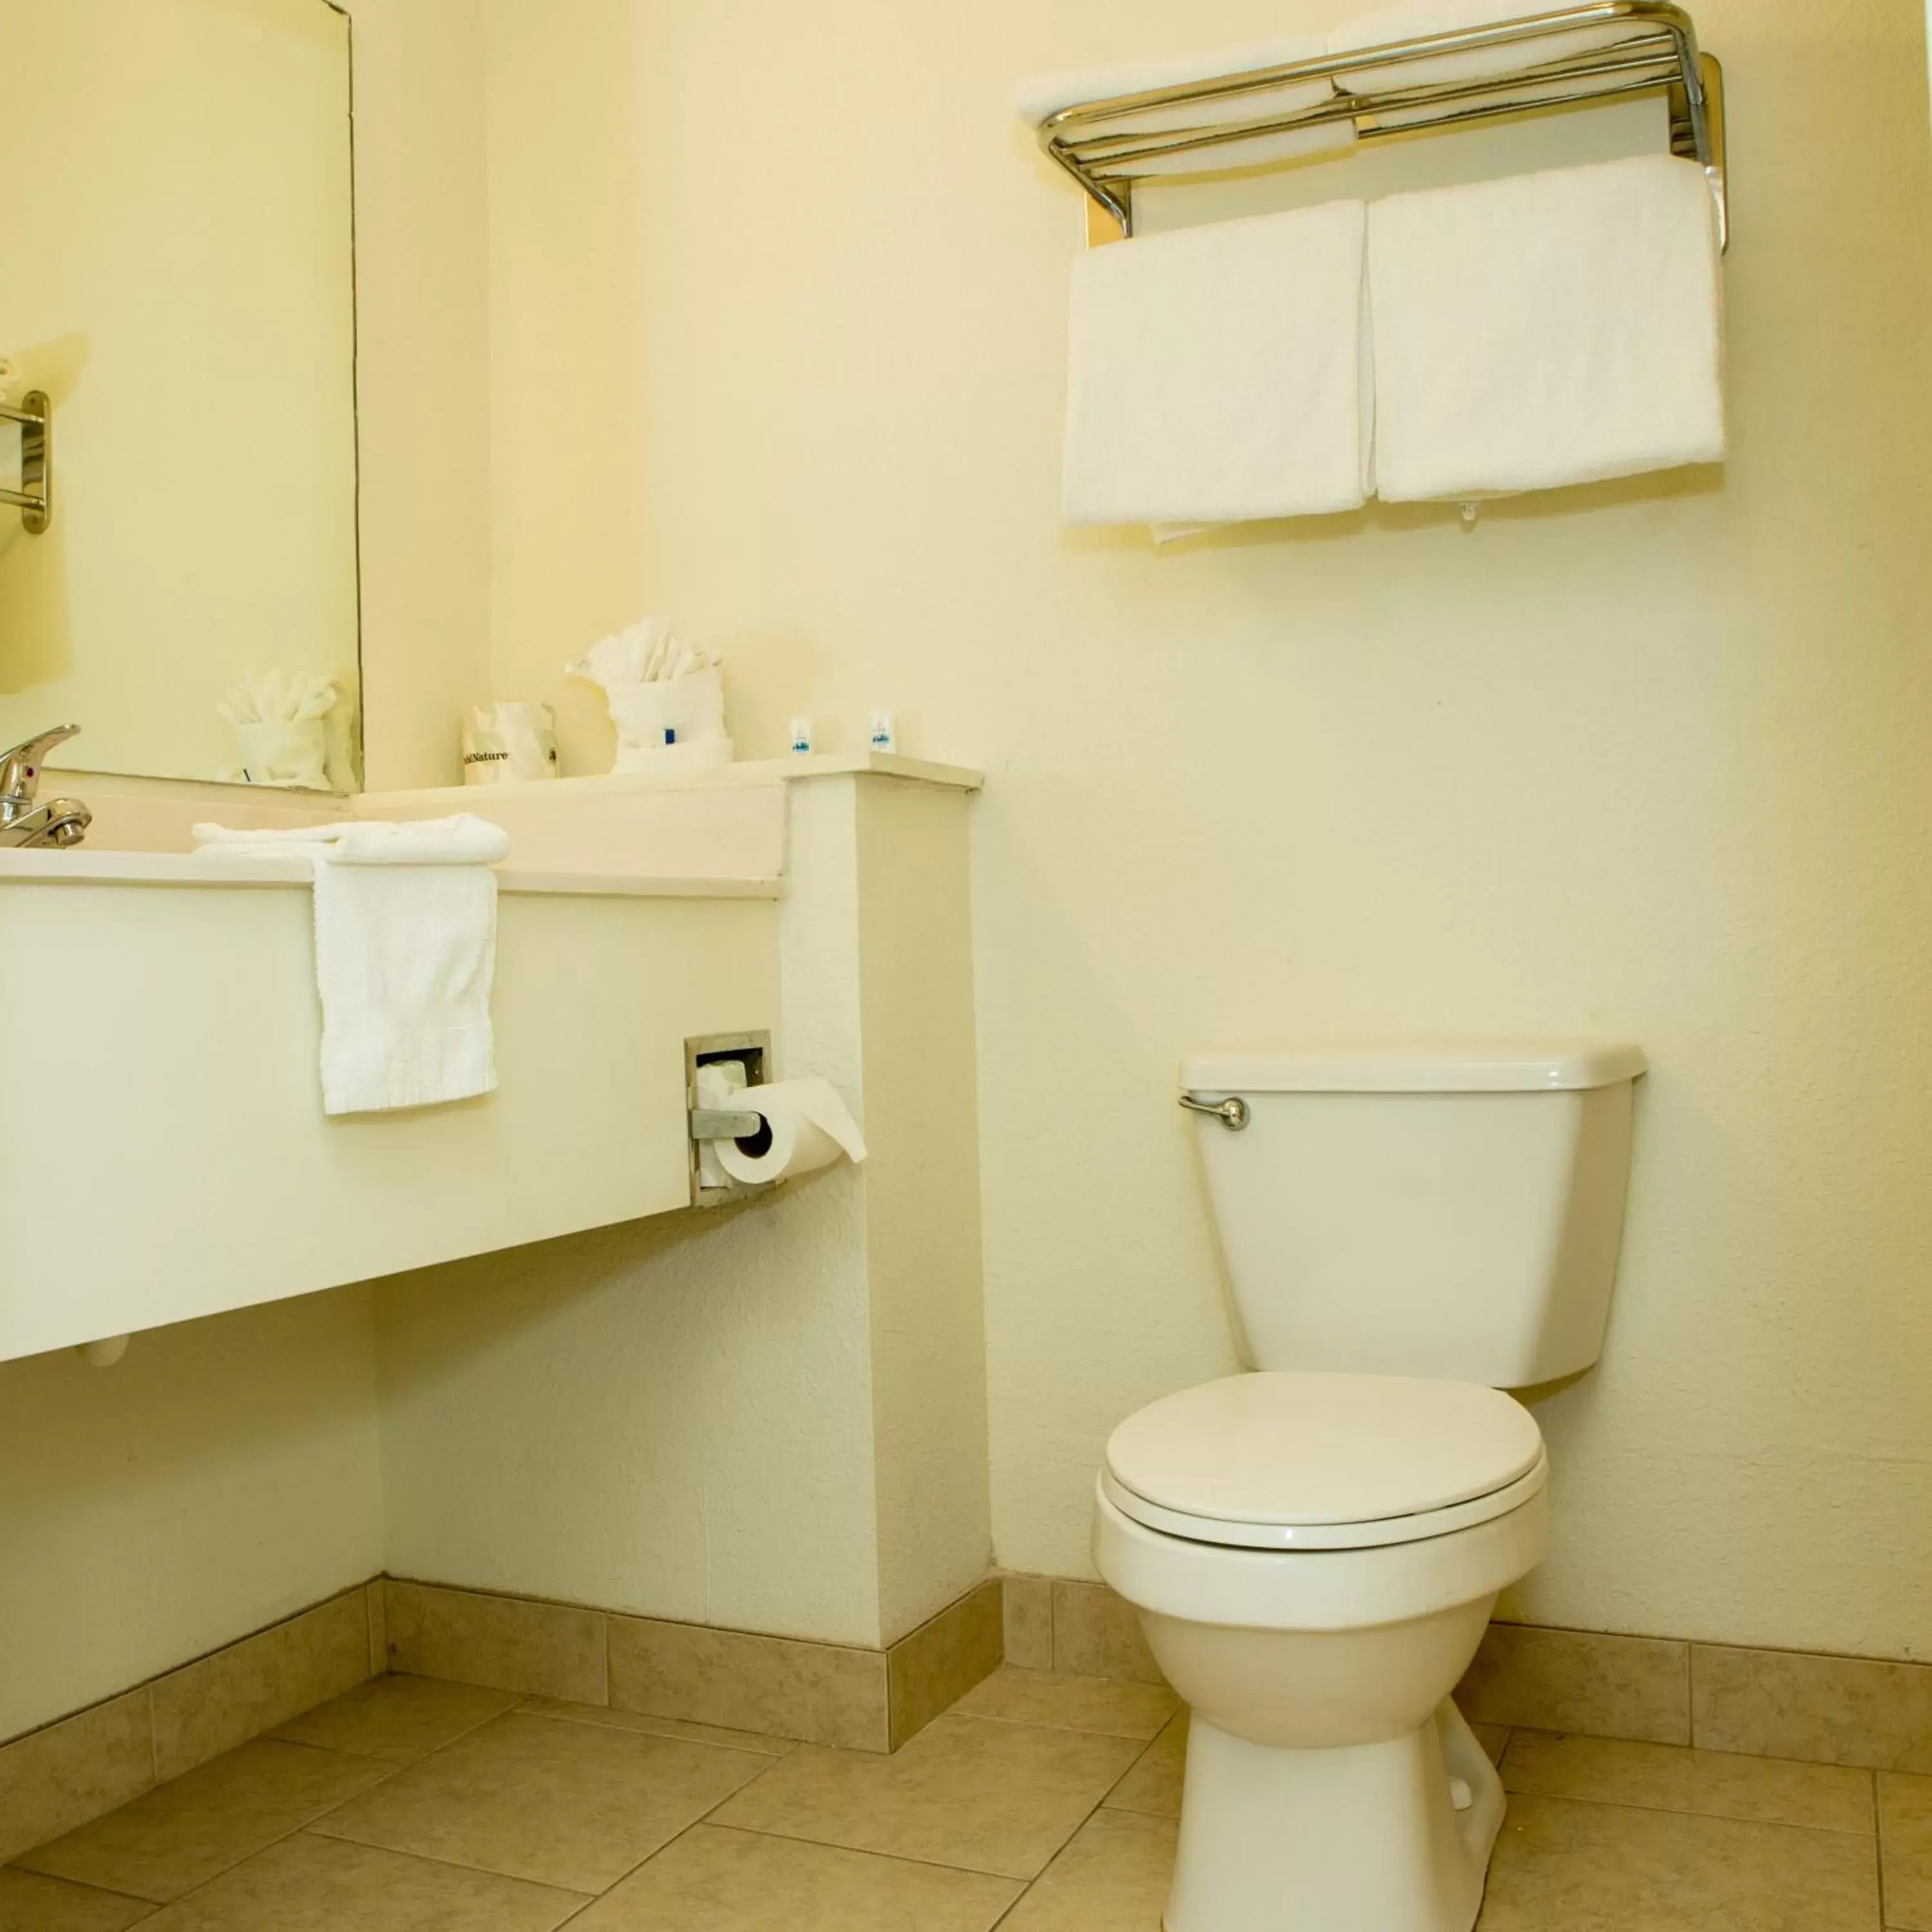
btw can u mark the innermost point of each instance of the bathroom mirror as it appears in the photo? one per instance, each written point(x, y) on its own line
point(179, 281)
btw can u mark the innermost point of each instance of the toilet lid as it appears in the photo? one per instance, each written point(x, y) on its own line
point(1280, 1453)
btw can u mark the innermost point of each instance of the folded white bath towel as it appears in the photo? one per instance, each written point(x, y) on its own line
point(1547, 329)
point(1216, 373)
point(1412, 19)
point(1047, 95)
point(405, 952)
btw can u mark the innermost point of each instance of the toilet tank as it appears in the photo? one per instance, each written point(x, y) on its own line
point(1451, 1210)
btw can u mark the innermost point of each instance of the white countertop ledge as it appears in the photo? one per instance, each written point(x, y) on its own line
point(692, 778)
point(79, 866)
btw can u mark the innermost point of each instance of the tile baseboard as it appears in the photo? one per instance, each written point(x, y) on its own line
point(79, 1767)
point(850, 1695)
point(1585, 1682)
point(1080, 1629)
point(930, 1668)
point(825, 1693)
point(1806, 1706)
point(524, 1644)
point(1830, 1710)
point(1809, 1706)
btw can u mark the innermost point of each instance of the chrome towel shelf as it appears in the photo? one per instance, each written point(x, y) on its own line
point(1106, 145)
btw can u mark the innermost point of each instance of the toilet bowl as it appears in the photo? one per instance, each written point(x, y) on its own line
point(1409, 1230)
point(1314, 1558)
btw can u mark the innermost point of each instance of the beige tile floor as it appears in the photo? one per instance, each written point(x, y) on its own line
point(1039, 1804)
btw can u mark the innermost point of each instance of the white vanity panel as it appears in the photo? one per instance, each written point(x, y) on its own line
point(171, 1157)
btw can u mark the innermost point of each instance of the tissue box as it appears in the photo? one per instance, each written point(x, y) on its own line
point(504, 743)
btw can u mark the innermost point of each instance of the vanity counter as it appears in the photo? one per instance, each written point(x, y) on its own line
point(85, 865)
point(717, 832)
point(174, 1042)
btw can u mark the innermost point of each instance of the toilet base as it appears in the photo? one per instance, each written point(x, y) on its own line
point(1358, 1838)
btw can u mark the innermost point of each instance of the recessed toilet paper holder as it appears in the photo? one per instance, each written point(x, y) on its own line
point(753, 1051)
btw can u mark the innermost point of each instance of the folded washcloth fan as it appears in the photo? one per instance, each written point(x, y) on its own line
point(276, 698)
point(647, 651)
point(277, 716)
point(667, 698)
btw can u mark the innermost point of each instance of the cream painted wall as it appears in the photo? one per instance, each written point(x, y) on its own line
point(667, 1417)
point(422, 381)
point(223, 1474)
point(1646, 759)
point(774, 1419)
point(566, 323)
point(771, 1417)
point(495, 299)
point(912, 954)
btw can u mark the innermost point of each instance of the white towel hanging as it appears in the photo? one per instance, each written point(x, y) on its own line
point(1545, 330)
point(1216, 373)
point(405, 952)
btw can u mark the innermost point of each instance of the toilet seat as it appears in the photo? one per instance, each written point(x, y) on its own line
point(1287, 1461)
point(1414, 1529)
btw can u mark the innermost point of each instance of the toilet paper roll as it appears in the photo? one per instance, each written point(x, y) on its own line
point(807, 1126)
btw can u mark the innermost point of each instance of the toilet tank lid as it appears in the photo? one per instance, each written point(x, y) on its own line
point(1415, 1066)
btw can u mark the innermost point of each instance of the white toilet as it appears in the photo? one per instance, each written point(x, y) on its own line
point(1315, 1549)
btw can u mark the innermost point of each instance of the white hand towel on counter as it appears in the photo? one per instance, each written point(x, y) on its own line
point(1216, 373)
point(1038, 98)
point(405, 952)
point(1414, 19)
point(1547, 329)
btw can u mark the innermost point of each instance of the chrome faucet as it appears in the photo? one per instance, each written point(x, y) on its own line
point(60, 821)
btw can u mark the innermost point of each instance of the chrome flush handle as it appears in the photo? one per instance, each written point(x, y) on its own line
point(1233, 1114)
